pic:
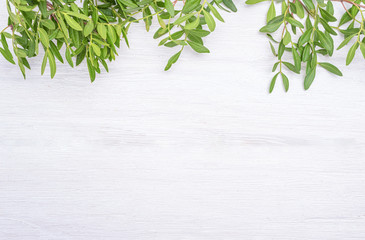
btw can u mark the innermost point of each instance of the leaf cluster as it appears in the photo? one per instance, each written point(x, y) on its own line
point(92, 30)
point(300, 32)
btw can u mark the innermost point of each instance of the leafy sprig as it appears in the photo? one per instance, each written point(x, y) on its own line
point(304, 31)
point(300, 32)
point(92, 30)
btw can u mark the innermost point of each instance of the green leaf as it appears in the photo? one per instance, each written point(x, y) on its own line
point(55, 52)
point(254, 1)
point(199, 32)
point(272, 49)
point(275, 66)
point(89, 27)
point(21, 66)
point(171, 44)
point(210, 21)
point(91, 70)
point(291, 67)
point(26, 8)
point(69, 58)
point(308, 80)
point(147, 18)
point(96, 49)
point(327, 16)
point(309, 4)
point(362, 48)
point(42, 5)
point(351, 53)
point(78, 15)
point(306, 53)
point(345, 18)
point(346, 41)
point(52, 63)
point(331, 68)
point(327, 27)
point(193, 24)
point(7, 55)
point(326, 42)
point(172, 60)
point(215, 13)
point(271, 13)
point(195, 38)
point(177, 35)
point(197, 47)
point(63, 25)
point(160, 32)
point(43, 37)
point(294, 22)
point(48, 23)
point(44, 63)
point(190, 6)
point(85, 7)
point(25, 62)
point(105, 65)
point(285, 81)
point(125, 37)
point(70, 21)
point(161, 22)
point(183, 18)
point(4, 42)
point(102, 30)
point(111, 33)
point(329, 8)
point(321, 3)
point(281, 49)
point(297, 60)
point(81, 56)
point(273, 24)
point(305, 37)
point(229, 4)
point(300, 9)
point(6, 52)
point(20, 53)
point(273, 81)
point(287, 38)
point(170, 8)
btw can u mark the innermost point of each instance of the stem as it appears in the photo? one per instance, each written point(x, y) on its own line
point(348, 1)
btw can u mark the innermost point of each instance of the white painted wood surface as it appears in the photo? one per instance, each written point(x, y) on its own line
point(200, 152)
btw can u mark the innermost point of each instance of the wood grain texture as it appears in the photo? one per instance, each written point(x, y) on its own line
point(199, 152)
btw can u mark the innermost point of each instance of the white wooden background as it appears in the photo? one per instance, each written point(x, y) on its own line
point(199, 152)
